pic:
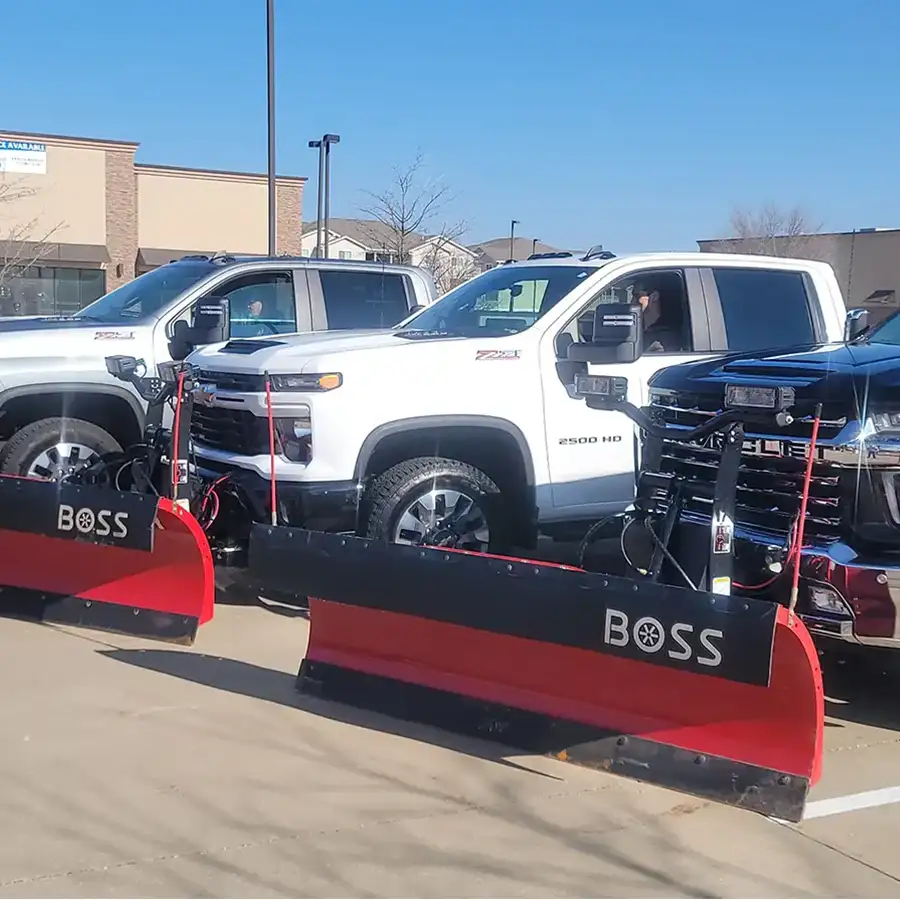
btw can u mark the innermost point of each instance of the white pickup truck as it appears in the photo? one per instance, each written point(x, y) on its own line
point(60, 408)
point(461, 426)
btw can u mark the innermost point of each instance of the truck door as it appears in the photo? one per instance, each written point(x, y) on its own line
point(592, 455)
point(260, 303)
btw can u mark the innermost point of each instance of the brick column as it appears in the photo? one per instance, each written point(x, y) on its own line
point(289, 215)
point(121, 217)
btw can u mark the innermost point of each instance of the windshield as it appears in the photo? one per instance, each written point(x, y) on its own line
point(147, 294)
point(886, 332)
point(504, 300)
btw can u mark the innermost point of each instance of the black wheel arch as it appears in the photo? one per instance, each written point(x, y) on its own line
point(49, 399)
point(451, 436)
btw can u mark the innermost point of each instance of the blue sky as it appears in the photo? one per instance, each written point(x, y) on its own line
point(638, 125)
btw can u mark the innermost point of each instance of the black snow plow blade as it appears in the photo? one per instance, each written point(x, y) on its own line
point(716, 696)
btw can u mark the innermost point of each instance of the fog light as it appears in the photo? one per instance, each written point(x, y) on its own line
point(827, 600)
point(295, 437)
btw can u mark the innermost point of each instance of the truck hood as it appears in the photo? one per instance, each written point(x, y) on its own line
point(296, 353)
point(43, 339)
point(45, 323)
point(843, 377)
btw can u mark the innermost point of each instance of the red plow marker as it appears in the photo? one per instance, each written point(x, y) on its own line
point(716, 696)
point(110, 560)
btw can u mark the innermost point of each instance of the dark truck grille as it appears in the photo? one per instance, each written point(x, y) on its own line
point(770, 479)
point(240, 382)
point(230, 430)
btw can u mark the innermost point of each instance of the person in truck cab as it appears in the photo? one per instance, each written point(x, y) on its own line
point(254, 326)
point(662, 334)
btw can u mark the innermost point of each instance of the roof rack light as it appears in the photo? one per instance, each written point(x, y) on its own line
point(597, 252)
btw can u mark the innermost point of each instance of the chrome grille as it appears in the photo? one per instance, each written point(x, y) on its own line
point(693, 409)
point(769, 488)
point(770, 478)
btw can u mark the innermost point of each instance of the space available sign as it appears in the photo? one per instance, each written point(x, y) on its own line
point(25, 157)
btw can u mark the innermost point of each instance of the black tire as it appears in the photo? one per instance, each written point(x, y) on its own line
point(392, 493)
point(27, 444)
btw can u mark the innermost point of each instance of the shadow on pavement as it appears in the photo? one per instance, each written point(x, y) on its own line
point(250, 680)
point(863, 687)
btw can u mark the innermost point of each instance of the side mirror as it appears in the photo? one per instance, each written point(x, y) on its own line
point(855, 323)
point(210, 326)
point(617, 336)
point(601, 391)
point(416, 309)
point(210, 322)
point(180, 345)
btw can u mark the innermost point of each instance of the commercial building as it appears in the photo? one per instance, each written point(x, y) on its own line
point(79, 217)
point(866, 262)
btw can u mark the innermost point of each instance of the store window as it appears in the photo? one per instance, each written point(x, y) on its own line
point(49, 290)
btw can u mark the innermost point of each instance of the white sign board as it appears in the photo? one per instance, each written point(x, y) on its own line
point(25, 157)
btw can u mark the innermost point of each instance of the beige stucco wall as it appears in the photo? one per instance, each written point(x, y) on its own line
point(67, 205)
point(201, 211)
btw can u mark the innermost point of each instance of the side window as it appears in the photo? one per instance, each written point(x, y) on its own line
point(666, 316)
point(363, 299)
point(753, 299)
point(260, 304)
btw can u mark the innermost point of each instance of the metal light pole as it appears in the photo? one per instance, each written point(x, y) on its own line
point(318, 145)
point(270, 45)
point(512, 237)
point(328, 140)
point(534, 243)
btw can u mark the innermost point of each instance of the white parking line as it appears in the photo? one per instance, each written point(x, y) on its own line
point(850, 802)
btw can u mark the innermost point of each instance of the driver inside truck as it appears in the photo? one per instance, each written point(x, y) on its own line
point(659, 337)
point(254, 326)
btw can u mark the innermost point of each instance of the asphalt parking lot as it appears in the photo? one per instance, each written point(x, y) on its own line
point(136, 769)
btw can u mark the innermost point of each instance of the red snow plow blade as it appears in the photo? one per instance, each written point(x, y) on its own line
point(109, 560)
point(716, 696)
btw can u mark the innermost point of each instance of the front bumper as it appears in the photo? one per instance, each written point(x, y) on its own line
point(246, 499)
point(856, 601)
point(842, 596)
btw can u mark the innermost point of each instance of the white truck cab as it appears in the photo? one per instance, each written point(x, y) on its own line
point(461, 425)
point(60, 408)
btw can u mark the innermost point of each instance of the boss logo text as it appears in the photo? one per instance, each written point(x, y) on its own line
point(650, 635)
point(101, 523)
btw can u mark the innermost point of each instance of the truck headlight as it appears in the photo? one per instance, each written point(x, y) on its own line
point(327, 381)
point(824, 598)
point(884, 423)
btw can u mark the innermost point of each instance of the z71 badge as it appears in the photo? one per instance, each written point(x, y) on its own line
point(495, 354)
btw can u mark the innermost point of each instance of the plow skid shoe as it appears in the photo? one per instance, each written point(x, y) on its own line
point(103, 559)
point(716, 696)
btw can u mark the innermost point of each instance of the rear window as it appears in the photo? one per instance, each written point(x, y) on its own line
point(764, 308)
point(363, 299)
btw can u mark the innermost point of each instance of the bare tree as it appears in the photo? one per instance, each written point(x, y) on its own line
point(770, 231)
point(22, 243)
point(411, 212)
point(447, 265)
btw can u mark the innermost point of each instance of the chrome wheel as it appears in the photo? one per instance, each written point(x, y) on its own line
point(444, 518)
point(60, 460)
